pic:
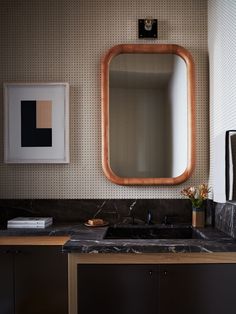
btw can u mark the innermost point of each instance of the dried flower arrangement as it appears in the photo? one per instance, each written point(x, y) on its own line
point(197, 195)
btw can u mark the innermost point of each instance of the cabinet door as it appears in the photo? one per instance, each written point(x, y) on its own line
point(41, 281)
point(198, 289)
point(6, 281)
point(117, 289)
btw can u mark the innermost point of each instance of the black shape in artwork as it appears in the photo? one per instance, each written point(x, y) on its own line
point(30, 135)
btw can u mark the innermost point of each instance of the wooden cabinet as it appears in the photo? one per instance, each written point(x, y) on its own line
point(198, 288)
point(6, 282)
point(117, 289)
point(159, 289)
point(33, 280)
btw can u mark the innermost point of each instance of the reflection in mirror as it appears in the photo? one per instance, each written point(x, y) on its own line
point(148, 96)
point(148, 112)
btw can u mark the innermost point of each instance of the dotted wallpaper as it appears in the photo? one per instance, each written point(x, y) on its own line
point(222, 47)
point(63, 41)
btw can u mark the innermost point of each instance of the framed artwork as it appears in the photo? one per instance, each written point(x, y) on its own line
point(36, 123)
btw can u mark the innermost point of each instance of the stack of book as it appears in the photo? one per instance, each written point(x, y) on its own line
point(30, 222)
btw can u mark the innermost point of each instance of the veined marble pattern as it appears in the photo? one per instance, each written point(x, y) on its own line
point(225, 218)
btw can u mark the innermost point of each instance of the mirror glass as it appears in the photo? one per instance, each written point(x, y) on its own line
point(148, 117)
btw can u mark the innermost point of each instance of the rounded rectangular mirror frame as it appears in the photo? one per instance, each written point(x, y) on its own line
point(155, 49)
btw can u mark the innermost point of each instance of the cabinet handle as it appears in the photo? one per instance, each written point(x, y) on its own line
point(150, 272)
point(165, 272)
point(18, 252)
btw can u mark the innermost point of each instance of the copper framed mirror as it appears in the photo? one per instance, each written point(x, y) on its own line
point(148, 121)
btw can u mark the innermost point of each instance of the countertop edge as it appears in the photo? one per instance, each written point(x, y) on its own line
point(154, 258)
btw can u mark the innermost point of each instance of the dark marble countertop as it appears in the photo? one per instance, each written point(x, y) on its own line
point(91, 240)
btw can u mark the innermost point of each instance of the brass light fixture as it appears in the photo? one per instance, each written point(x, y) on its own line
point(147, 28)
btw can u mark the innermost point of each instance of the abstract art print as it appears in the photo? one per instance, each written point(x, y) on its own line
point(36, 123)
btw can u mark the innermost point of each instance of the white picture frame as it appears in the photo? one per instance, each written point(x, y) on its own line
point(36, 122)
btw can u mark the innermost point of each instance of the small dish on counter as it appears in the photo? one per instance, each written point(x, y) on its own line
point(96, 223)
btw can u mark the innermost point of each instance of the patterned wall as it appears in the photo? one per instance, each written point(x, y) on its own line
point(222, 47)
point(63, 40)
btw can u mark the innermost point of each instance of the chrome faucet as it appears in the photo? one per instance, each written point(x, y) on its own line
point(131, 211)
point(149, 218)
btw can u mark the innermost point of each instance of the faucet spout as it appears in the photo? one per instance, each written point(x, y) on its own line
point(149, 218)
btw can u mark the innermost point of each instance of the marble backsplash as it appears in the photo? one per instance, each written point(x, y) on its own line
point(113, 210)
point(222, 216)
point(225, 218)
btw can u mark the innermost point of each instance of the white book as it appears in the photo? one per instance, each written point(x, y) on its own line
point(30, 220)
point(26, 227)
point(32, 226)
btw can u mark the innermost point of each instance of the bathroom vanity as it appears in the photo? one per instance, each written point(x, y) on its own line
point(80, 270)
point(139, 276)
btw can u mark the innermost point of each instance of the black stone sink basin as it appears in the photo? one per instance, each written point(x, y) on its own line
point(151, 232)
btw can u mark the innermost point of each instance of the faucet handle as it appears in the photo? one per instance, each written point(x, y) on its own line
point(170, 219)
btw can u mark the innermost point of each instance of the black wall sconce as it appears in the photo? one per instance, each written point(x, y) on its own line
point(147, 28)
